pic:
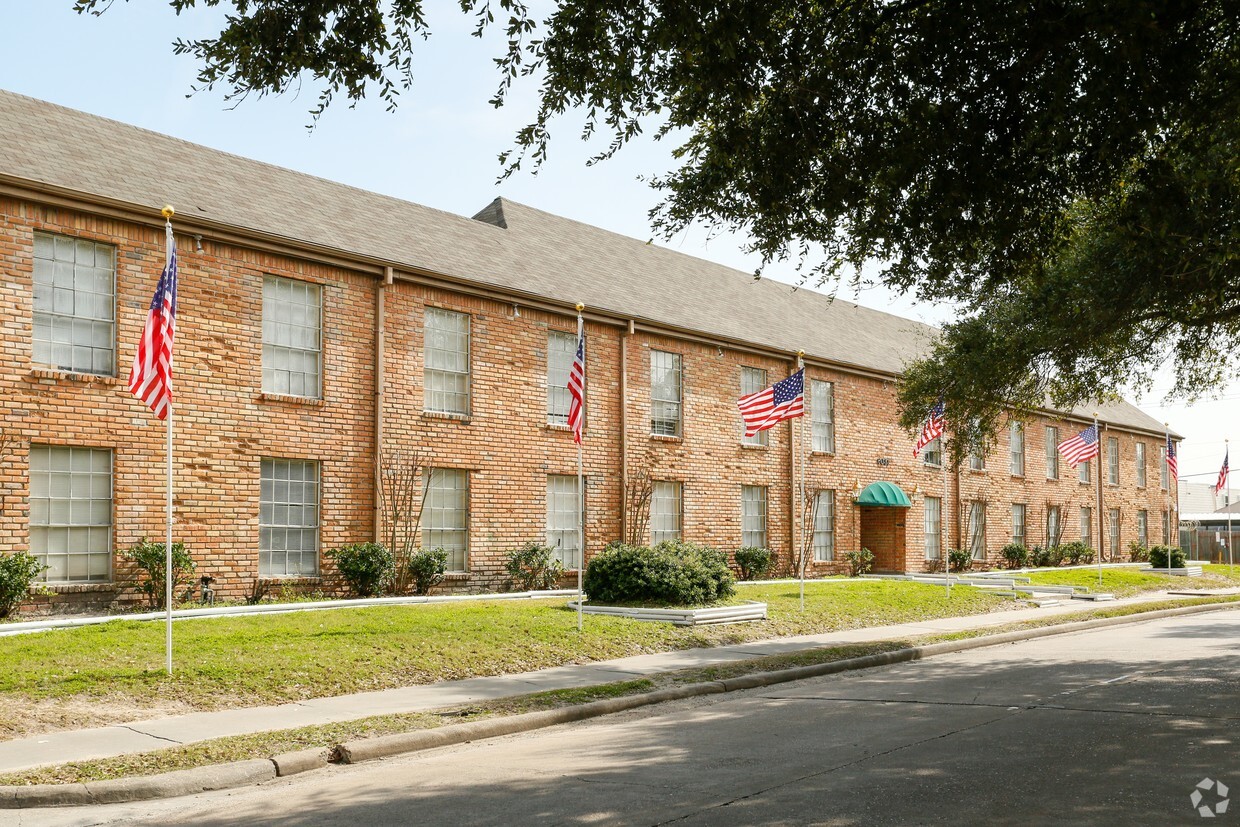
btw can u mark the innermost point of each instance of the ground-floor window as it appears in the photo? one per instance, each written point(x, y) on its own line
point(1166, 521)
point(445, 515)
point(288, 518)
point(1114, 539)
point(824, 526)
point(71, 512)
point(665, 511)
point(977, 530)
point(1087, 526)
point(1018, 523)
point(1143, 527)
point(934, 522)
point(563, 515)
point(753, 516)
point(1054, 530)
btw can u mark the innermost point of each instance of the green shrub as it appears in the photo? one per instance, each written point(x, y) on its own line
point(534, 566)
point(961, 559)
point(1076, 553)
point(755, 563)
point(672, 573)
point(368, 568)
point(1015, 555)
point(1044, 557)
point(859, 562)
point(1138, 553)
point(426, 568)
point(18, 572)
point(1158, 557)
point(150, 559)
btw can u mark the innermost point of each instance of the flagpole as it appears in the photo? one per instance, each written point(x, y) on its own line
point(581, 507)
point(800, 535)
point(1227, 463)
point(943, 512)
point(1098, 436)
point(167, 213)
point(1167, 498)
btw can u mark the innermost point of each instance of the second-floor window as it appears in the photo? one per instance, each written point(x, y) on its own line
point(561, 350)
point(1141, 479)
point(292, 340)
point(822, 416)
point(1052, 452)
point(752, 381)
point(665, 393)
point(446, 388)
point(1113, 460)
point(74, 304)
point(1016, 444)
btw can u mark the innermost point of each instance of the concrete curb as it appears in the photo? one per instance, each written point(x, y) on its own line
point(255, 771)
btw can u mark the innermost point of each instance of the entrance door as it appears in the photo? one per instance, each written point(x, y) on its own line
point(882, 532)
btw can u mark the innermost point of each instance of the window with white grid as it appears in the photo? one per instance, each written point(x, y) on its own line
point(74, 304)
point(1163, 473)
point(932, 454)
point(1166, 526)
point(445, 515)
point(753, 516)
point(1054, 528)
point(824, 526)
point(1083, 471)
point(563, 510)
point(292, 337)
point(1143, 527)
point(977, 530)
point(977, 452)
point(1141, 477)
point(1087, 527)
point(1019, 530)
point(1052, 452)
point(933, 509)
point(665, 393)
point(71, 512)
point(752, 381)
point(1112, 460)
point(665, 512)
point(288, 518)
point(1016, 446)
point(822, 416)
point(561, 350)
point(1113, 515)
point(446, 375)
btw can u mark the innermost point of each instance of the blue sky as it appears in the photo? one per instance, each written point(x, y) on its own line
point(439, 148)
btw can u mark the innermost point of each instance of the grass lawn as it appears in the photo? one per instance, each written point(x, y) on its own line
point(70, 678)
point(1127, 582)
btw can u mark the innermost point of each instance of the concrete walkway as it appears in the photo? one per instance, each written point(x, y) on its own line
point(143, 736)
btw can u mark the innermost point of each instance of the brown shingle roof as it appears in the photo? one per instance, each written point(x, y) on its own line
point(510, 245)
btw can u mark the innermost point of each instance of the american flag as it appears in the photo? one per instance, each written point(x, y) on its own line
point(577, 385)
point(768, 407)
point(1173, 465)
point(1222, 475)
point(1082, 447)
point(932, 430)
point(150, 379)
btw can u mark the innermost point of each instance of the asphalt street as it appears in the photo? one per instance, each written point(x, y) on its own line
point(1116, 726)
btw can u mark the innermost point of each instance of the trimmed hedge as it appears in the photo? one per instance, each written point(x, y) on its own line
point(368, 568)
point(755, 563)
point(673, 573)
point(1158, 557)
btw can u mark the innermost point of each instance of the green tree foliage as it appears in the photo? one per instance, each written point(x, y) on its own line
point(1065, 171)
point(18, 572)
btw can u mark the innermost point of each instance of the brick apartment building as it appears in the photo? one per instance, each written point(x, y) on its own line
point(317, 322)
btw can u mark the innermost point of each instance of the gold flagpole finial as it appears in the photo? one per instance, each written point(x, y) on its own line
point(580, 307)
point(800, 354)
point(167, 212)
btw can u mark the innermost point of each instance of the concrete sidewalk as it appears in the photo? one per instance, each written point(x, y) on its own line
point(143, 736)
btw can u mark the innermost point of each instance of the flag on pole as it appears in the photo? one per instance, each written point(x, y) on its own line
point(932, 430)
point(1173, 465)
point(150, 379)
point(1082, 447)
point(577, 385)
point(767, 408)
point(1222, 475)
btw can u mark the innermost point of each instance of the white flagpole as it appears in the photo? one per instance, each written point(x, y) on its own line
point(581, 509)
point(1167, 499)
point(943, 512)
point(1227, 460)
point(1098, 437)
point(801, 535)
point(169, 241)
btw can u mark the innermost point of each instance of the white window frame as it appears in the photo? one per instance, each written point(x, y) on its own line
point(563, 516)
point(1084, 469)
point(753, 516)
point(752, 381)
point(74, 304)
point(292, 337)
point(1143, 527)
point(932, 453)
point(1113, 531)
point(286, 514)
point(445, 515)
point(1112, 460)
point(1054, 526)
point(1164, 476)
point(1166, 527)
point(1142, 476)
point(822, 416)
point(70, 518)
point(977, 529)
point(824, 526)
point(1016, 449)
point(1087, 526)
point(1052, 452)
point(1020, 527)
point(561, 351)
point(932, 508)
point(666, 393)
point(446, 363)
point(666, 511)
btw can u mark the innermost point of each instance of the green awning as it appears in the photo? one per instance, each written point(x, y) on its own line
point(884, 493)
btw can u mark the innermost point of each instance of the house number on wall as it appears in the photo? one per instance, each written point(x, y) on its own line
point(883, 461)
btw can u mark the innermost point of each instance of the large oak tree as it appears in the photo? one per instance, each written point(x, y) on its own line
point(1068, 171)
